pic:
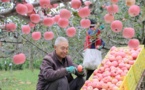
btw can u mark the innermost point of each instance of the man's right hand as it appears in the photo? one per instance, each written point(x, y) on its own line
point(71, 69)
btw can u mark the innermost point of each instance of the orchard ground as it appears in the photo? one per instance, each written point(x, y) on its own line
point(18, 79)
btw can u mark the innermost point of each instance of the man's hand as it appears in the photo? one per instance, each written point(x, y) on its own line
point(71, 69)
point(80, 70)
point(101, 27)
point(100, 47)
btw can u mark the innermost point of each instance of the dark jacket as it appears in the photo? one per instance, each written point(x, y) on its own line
point(52, 69)
point(92, 44)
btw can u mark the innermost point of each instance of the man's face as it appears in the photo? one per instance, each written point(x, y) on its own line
point(61, 49)
point(92, 27)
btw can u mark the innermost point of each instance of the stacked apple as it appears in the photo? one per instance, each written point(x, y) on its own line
point(112, 70)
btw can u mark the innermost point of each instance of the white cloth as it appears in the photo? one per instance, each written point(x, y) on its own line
point(92, 58)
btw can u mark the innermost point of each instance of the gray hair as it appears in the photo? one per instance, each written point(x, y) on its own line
point(60, 39)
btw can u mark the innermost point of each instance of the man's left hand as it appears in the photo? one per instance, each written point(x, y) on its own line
point(100, 47)
point(80, 70)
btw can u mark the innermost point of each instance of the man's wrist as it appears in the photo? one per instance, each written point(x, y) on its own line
point(71, 69)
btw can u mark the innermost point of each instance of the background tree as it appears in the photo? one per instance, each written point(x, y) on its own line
point(13, 40)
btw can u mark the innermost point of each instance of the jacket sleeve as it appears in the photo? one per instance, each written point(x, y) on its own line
point(86, 43)
point(49, 73)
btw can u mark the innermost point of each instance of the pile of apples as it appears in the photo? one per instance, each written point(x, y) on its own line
point(113, 69)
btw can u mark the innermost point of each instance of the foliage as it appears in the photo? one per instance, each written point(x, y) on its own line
point(5, 65)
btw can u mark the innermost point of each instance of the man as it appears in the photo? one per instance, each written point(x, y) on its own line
point(56, 70)
point(93, 41)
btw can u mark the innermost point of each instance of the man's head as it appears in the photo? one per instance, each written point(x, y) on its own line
point(61, 47)
point(93, 32)
point(93, 23)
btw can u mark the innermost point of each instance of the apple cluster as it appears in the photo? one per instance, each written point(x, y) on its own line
point(113, 69)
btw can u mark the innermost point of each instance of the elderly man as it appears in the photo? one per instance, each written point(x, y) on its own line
point(56, 70)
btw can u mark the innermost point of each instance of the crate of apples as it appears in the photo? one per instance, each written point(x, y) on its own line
point(112, 70)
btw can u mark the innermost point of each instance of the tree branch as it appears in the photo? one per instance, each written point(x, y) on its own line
point(59, 1)
point(12, 11)
point(34, 45)
point(120, 43)
point(3, 57)
point(106, 48)
point(10, 42)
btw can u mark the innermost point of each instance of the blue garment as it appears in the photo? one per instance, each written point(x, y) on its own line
point(102, 42)
point(93, 46)
point(93, 32)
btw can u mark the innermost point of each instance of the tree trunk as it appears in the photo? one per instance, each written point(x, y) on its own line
point(31, 58)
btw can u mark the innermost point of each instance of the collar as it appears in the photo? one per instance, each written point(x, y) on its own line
point(57, 58)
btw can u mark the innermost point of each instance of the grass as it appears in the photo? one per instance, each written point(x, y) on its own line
point(18, 80)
